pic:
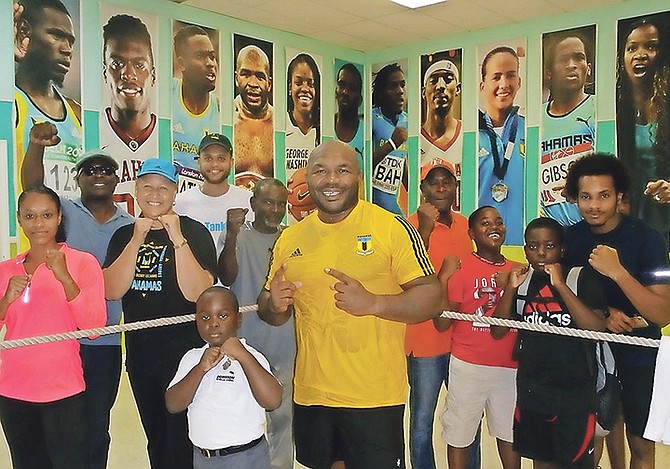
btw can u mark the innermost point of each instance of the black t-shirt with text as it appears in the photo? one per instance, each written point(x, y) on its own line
point(155, 293)
point(557, 374)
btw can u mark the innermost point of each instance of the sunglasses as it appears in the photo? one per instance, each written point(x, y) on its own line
point(98, 169)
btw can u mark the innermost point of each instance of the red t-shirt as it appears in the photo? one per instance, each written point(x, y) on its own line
point(475, 289)
point(422, 339)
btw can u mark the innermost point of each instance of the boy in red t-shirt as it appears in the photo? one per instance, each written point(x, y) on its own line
point(482, 373)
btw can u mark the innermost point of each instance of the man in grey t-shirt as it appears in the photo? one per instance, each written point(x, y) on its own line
point(243, 265)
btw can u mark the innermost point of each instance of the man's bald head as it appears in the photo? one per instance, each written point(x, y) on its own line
point(332, 149)
point(252, 52)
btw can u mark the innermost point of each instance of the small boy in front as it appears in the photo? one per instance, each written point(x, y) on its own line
point(554, 421)
point(482, 373)
point(227, 387)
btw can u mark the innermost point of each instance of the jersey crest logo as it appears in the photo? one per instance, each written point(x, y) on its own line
point(364, 247)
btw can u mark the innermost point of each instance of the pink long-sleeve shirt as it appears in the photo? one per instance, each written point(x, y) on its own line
point(52, 371)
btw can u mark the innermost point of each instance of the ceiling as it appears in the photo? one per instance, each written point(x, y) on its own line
point(368, 25)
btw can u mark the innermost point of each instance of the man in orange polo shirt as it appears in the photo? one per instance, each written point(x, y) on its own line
point(445, 235)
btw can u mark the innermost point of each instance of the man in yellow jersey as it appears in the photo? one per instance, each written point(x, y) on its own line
point(353, 274)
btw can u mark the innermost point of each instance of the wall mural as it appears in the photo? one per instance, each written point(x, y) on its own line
point(441, 125)
point(253, 121)
point(195, 95)
point(568, 129)
point(390, 174)
point(48, 89)
point(501, 136)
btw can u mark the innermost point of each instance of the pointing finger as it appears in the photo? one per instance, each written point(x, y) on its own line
point(279, 274)
point(342, 277)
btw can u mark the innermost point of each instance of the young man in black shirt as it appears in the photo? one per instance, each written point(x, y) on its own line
point(631, 259)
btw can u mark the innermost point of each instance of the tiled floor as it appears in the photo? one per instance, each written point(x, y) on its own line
point(129, 443)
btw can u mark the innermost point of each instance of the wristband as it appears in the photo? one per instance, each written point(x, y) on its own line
point(392, 143)
point(181, 245)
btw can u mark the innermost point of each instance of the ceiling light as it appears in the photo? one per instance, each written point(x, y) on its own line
point(417, 3)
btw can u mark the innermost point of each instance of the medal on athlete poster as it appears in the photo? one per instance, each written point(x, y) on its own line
point(499, 191)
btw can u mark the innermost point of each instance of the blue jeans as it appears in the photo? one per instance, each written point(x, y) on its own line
point(102, 373)
point(426, 375)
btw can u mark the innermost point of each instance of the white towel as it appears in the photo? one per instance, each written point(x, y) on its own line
point(658, 425)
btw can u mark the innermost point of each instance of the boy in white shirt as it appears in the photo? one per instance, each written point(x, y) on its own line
point(227, 387)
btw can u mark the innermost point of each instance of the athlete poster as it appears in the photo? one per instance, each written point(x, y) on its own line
point(390, 173)
point(303, 126)
point(48, 89)
point(441, 126)
point(643, 115)
point(195, 95)
point(501, 136)
point(349, 119)
point(568, 120)
point(128, 123)
point(253, 121)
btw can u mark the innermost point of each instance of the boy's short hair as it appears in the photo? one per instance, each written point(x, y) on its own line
point(547, 223)
point(474, 215)
point(599, 164)
point(224, 291)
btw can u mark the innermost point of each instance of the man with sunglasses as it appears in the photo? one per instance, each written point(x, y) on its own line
point(90, 222)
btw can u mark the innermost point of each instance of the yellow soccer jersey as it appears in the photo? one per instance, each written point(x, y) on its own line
point(343, 360)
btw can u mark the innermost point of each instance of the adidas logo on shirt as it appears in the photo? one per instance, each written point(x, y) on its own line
point(296, 253)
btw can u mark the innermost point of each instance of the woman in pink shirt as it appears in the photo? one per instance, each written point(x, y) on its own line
point(48, 289)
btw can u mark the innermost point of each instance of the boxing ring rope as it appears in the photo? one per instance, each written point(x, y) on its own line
point(160, 322)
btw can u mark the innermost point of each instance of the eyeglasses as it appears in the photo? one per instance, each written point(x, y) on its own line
point(98, 169)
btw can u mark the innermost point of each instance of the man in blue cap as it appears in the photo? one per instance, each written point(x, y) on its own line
point(158, 267)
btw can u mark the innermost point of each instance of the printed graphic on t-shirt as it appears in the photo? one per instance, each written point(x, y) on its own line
point(151, 258)
point(487, 294)
point(545, 309)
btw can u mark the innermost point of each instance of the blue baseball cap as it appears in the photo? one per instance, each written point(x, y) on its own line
point(158, 166)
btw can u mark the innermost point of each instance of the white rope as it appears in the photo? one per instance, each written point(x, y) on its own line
point(131, 326)
point(566, 331)
point(151, 323)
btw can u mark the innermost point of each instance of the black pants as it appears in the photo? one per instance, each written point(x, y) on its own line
point(102, 373)
point(168, 444)
point(46, 435)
